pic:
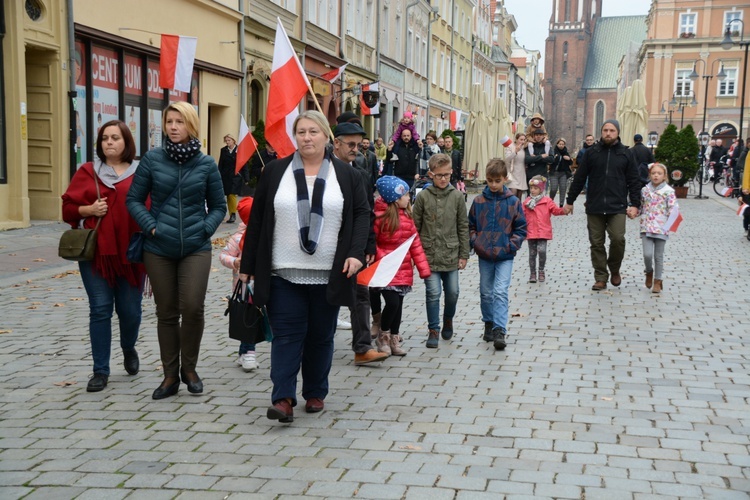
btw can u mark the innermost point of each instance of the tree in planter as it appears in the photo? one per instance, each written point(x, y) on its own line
point(678, 151)
point(260, 134)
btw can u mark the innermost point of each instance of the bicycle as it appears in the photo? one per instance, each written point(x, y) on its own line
point(725, 184)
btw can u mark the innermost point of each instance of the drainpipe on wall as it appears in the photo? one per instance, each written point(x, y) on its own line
point(243, 61)
point(72, 93)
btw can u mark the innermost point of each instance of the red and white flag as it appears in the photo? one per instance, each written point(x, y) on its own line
point(332, 76)
point(741, 210)
point(381, 272)
point(506, 141)
point(366, 110)
point(727, 191)
point(289, 84)
point(176, 62)
point(455, 117)
point(246, 147)
point(673, 221)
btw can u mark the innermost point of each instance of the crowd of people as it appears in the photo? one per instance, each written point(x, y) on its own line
point(322, 214)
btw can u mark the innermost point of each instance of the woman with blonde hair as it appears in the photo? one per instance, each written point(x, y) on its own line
point(187, 205)
point(514, 156)
point(304, 244)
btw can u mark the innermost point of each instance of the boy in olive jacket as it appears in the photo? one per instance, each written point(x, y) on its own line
point(440, 215)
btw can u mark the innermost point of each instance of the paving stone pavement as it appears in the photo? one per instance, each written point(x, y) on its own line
point(615, 394)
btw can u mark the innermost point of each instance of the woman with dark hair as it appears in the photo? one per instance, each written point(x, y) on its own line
point(187, 206)
point(560, 172)
point(98, 191)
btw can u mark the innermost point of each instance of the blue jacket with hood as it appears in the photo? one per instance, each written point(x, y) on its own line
point(497, 225)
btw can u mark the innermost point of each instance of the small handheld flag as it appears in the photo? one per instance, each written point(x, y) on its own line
point(673, 221)
point(506, 141)
point(332, 76)
point(381, 272)
point(246, 147)
point(742, 209)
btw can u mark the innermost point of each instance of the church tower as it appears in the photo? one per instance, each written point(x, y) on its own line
point(571, 27)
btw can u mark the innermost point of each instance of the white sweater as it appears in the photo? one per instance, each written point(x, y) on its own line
point(288, 256)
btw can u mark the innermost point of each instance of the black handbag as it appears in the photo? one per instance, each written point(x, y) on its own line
point(80, 244)
point(247, 322)
point(137, 239)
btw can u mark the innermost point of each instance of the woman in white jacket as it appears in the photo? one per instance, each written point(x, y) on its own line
point(514, 156)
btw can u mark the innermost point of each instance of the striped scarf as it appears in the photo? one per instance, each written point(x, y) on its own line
point(309, 216)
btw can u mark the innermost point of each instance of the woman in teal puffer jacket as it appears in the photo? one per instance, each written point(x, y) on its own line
point(187, 197)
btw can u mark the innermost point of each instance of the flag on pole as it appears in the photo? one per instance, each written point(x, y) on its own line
point(246, 147)
point(673, 221)
point(288, 86)
point(741, 210)
point(381, 272)
point(332, 76)
point(176, 62)
point(369, 110)
point(455, 118)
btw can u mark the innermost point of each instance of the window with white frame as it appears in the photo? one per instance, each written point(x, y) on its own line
point(410, 56)
point(324, 13)
point(285, 4)
point(398, 35)
point(683, 83)
point(434, 66)
point(369, 26)
point(732, 15)
point(728, 87)
point(501, 90)
point(442, 70)
point(455, 74)
point(351, 17)
point(418, 56)
point(385, 19)
point(423, 68)
point(688, 23)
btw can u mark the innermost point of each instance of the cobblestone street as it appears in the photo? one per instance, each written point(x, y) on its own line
point(618, 394)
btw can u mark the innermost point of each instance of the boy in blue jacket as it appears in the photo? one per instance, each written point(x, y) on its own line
point(497, 228)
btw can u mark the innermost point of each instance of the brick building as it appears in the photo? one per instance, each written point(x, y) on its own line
point(582, 57)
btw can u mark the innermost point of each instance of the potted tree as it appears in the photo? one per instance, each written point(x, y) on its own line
point(679, 152)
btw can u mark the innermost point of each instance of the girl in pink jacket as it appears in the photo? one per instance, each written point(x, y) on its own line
point(539, 210)
point(658, 203)
point(393, 226)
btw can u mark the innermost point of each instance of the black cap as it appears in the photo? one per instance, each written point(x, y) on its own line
point(347, 128)
point(638, 138)
point(349, 117)
point(539, 131)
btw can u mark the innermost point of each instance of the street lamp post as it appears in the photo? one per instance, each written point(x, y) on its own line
point(667, 111)
point(704, 136)
point(682, 103)
point(653, 139)
point(727, 44)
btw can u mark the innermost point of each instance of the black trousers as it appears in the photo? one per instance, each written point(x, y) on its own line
point(360, 313)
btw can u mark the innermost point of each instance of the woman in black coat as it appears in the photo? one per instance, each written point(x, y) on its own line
point(560, 171)
point(231, 180)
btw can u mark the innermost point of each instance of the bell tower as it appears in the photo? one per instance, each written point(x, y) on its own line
point(571, 27)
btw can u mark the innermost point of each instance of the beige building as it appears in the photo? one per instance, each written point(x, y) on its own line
point(684, 36)
point(104, 54)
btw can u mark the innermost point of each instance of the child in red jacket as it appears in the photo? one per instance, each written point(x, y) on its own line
point(539, 210)
point(394, 226)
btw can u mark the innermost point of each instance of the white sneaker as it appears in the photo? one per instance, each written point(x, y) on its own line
point(343, 325)
point(247, 361)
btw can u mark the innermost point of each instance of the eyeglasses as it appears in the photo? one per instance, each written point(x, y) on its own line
point(351, 145)
point(441, 176)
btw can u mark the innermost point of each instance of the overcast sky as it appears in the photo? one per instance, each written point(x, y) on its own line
point(533, 18)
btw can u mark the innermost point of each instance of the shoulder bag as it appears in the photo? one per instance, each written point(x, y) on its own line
point(80, 244)
point(247, 322)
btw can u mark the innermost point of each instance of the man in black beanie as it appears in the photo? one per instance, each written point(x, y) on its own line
point(612, 174)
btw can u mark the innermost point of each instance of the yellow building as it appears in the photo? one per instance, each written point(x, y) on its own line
point(53, 114)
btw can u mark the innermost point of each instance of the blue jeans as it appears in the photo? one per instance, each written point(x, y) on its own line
point(449, 281)
point(303, 324)
point(494, 282)
point(103, 300)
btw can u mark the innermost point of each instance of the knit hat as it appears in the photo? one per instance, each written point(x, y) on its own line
point(243, 208)
point(538, 180)
point(409, 115)
point(613, 122)
point(391, 188)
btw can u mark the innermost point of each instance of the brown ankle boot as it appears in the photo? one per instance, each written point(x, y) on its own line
point(657, 286)
point(396, 346)
point(375, 328)
point(649, 279)
point(383, 342)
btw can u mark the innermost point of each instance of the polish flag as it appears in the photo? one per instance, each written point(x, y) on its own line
point(366, 111)
point(455, 119)
point(176, 62)
point(246, 147)
point(332, 76)
point(727, 192)
point(741, 210)
point(506, 141)
point(289, 84)
point(674, 221)
point(381, 272)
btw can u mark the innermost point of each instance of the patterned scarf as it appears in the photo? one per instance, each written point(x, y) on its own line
point(533, 200)
point(181, 153)
point(310, 216)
